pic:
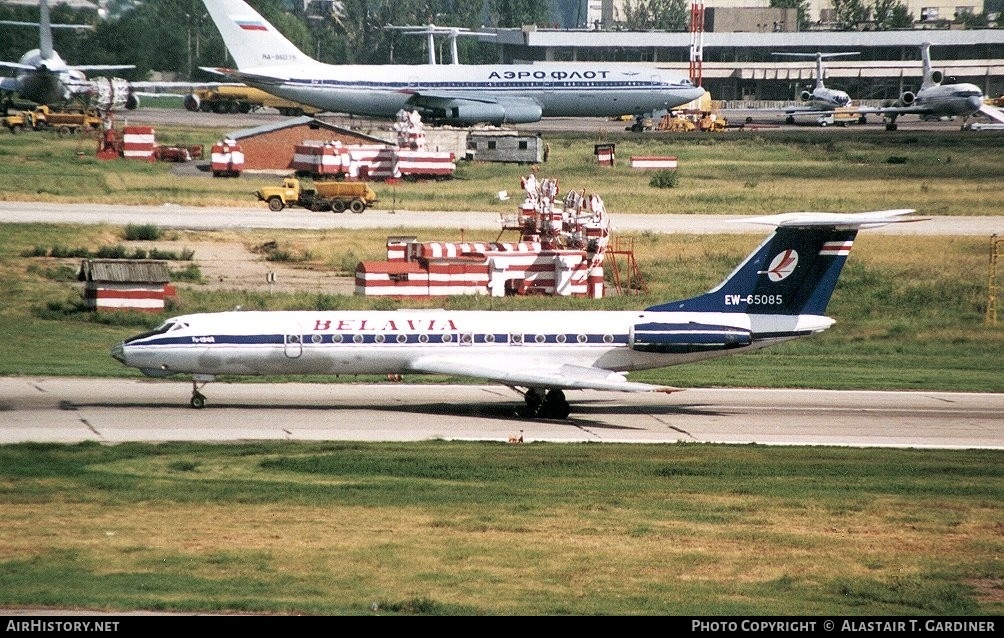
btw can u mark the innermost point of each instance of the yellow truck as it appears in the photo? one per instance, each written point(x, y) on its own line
point(242, 99)
point(62, 122)
point(334, 196)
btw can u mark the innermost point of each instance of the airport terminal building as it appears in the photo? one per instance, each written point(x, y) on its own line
point(737, 46)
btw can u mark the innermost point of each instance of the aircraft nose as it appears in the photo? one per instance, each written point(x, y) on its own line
point(118, 353)
point(974, 102)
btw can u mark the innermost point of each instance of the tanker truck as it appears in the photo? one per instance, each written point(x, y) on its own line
point(334, 196)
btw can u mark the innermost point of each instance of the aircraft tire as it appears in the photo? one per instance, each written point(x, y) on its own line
point(198, 401)
point(555, 406)
point(534, 402)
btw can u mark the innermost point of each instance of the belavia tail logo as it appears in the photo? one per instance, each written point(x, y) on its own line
point(783, 265)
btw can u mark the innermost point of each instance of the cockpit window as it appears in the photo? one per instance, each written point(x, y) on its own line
point(167, 326)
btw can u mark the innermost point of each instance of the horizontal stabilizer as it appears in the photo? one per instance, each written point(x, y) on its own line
point(872, 219)
point(17, 65)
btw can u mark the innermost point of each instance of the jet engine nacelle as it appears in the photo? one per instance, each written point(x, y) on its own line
point(805, 96)
point(907, 98)
point(681, 338)
point(937, 77)
point(192, 102)
point(112, 94)
point(485, 112)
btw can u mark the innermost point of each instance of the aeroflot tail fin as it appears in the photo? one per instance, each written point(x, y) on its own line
point(250, 39)
point(794, 271)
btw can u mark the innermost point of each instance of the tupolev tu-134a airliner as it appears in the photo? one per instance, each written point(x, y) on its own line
point(778, 293)
point(448, 94)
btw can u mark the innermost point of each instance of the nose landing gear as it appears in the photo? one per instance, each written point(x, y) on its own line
point(198, 399)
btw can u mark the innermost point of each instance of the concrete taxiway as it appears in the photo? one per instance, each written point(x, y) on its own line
point(215, 217)
point(71, 410)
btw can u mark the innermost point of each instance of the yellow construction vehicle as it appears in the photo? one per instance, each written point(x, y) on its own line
point(675, 122)
point(710, 121)
point(242, 99)
point(62, 122)
point(334, 196)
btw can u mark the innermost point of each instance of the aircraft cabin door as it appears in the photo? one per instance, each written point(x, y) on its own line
point(293, 343)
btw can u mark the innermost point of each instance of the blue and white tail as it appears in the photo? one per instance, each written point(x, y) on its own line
point(251, 40)
point(793, 272)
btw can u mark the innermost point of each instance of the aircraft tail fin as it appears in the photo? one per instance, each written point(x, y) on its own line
point(795, 270)
point(931, 77)
point(44, 31)
point(250, 39)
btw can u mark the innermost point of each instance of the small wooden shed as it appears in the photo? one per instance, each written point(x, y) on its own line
point(126, 284)
point(505, 146)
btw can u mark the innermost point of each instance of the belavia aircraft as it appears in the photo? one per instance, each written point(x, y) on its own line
point(778, 293)
point(447, 94)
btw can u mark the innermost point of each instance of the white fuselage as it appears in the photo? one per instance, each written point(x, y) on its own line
point(52, 80)
point(589, 90)
point(393, 342)
point(950, 99)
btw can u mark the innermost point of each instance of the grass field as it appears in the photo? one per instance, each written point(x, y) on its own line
point(937, 173)
point(454, 528)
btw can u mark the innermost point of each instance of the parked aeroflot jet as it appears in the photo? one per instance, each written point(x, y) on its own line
point(454, 94)
point(778, 293)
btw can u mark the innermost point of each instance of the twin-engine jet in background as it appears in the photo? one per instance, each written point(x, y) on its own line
point(778, 293)
point(43, 77)
point(447, 94)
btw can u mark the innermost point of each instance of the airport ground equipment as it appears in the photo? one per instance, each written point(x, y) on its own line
point(334, 196)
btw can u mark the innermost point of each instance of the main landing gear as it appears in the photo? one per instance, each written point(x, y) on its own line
point(548, 405)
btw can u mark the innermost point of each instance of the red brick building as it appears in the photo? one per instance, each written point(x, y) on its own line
point(272, 146)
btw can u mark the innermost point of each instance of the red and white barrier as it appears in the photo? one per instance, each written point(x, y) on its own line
point(139, 142)
point(653, 162)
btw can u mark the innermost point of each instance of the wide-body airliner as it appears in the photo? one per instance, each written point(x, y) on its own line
point(778, 293)
point(450, 94)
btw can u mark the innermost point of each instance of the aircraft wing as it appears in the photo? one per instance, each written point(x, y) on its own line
point(557, 376)
point(102, 67)
point(992, 112)
point(171, 89)
point(17, 65)
point(896, 110)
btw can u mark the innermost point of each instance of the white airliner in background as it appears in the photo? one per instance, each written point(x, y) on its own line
point(43, 77)
point(937, 100)
point(450, 94)
point(778, 293)
point(821, 100)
